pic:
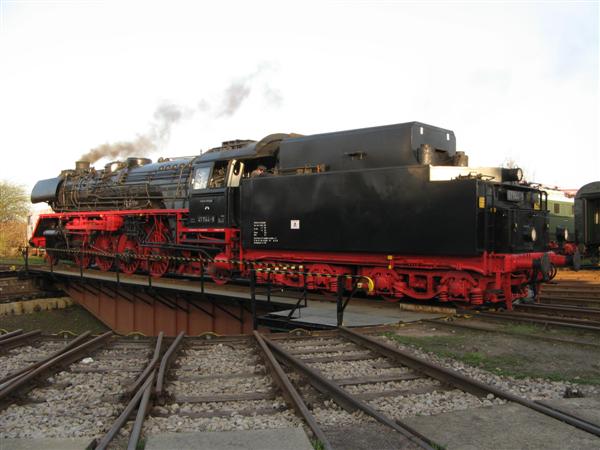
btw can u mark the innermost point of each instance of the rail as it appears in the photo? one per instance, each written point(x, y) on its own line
point(466, 383)
point(448, 323)
point(289, 391)
point(139, 400)
point(345, 400)
point(539, 319)
point(560, 310)
point(19, 339)
point(19, 373)
point(10, 334)
point(53, 365)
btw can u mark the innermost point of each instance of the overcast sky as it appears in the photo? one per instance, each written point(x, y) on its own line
point(514, 80)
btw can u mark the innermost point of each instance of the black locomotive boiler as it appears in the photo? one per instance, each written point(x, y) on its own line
point(396, 206)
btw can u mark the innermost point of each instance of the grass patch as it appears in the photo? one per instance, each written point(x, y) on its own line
point(75, 319)
point(518, 328)
point(317, 444)
point(580, 379)
point(18, 261)
point(428, 341)
point(560, 333)
point(466, 348)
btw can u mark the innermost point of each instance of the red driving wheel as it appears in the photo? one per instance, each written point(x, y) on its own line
point(104, 243)
point(81, 257)
point(219, 276)
point(128, 249)
point(156, 263)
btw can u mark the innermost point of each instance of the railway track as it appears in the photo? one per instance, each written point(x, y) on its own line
point(342, 385)
point(429, 378)
point(549, 319)
point(449, 322)
point(235, 389)
point(567, 311)
point(68, 388)
point(567, 303)
point(17, 338)
point(573, 290)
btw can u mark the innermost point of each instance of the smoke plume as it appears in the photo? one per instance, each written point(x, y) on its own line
point(165, 116)
point(238, 91)
point(168, 114)
point(234, 97)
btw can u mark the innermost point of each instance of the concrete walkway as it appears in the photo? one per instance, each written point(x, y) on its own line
point(358, 313)
point(508, 427)
point(45, 444)
point(275, 439)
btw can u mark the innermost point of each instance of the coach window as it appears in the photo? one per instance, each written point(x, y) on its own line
point(556, 208)
point(200, 180)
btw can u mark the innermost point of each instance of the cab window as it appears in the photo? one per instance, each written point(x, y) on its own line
point(200, 180)
point(217, 180)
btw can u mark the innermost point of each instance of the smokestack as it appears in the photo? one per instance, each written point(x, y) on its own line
point(82, 166)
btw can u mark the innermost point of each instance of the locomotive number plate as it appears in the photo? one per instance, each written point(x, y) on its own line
point(514, 196)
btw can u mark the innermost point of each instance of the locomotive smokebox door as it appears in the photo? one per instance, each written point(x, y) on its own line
point(212, 194)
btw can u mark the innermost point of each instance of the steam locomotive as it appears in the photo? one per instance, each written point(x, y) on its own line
point(396, 207)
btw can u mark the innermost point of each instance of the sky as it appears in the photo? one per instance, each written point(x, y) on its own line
point(514, 80)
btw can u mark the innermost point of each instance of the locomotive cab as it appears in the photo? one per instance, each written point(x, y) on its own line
point(212, 200)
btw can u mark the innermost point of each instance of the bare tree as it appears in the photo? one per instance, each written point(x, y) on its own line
point(14, 208)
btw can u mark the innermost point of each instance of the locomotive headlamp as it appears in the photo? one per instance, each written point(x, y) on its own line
point(529, 233)
point(562, 234)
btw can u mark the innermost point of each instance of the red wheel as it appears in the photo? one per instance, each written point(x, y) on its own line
point(104, 243)
point(189, 267)
point(156, 263)
point(220, 276)
point(128, 249)
point(81, 257)
point(323, 276)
